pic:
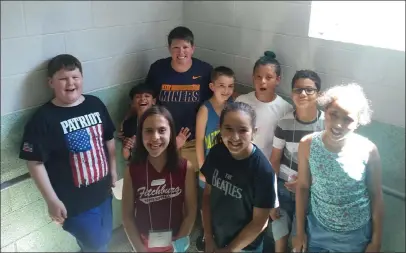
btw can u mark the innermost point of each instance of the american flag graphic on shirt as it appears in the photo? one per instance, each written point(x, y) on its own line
point(87, 155)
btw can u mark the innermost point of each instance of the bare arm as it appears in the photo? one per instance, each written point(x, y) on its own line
point(208, 232)
point(303, 184)
point(111, 149)
point(374, 185)
point(128, 211)
point(276, 159)
point(190, 203)
point(40, 176)
point(250, 232)
point(201, 121)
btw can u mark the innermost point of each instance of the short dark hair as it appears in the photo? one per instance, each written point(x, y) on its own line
point(139, 89)
point(269, 57)
point(309, 74)
point(63, 61)
point(221, 71)
point(181, 33)
point(140, 154)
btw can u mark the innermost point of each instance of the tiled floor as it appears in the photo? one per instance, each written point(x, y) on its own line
point(119, 242)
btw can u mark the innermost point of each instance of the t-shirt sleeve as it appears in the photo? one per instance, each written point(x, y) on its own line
point(265, 194)
point(108, 125)
point(279, 138)
point(151, 80)
point(207, 167)
point(34, 145)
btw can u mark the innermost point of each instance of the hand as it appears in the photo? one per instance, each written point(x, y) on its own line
point(57, 211)
point(299, 243)
point(129, 143)
point(120, 135)
point(113, 173)
point(183, 135)
point(275, 213)
point(210, 245)
point(373, 247)
point(291, 186)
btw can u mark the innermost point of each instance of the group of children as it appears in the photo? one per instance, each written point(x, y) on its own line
point(190, 146)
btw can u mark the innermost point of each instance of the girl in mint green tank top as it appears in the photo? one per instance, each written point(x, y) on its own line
point(342, 171)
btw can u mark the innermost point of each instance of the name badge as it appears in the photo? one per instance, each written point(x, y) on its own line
point(158, 182)
point(286, 173)
point(158, 239)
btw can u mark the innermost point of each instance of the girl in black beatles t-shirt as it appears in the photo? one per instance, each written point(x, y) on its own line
point(240, 189)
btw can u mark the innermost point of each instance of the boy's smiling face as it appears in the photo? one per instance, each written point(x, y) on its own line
point(67, 85)
point(141, 102)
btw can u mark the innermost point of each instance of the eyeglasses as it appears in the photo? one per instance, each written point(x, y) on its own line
point(309, 91)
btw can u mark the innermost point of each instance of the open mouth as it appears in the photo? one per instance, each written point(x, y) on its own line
point(143, 104)
point(181, 57)
point(234, 145)
point(155, 146)
point(70, 90)
point(262, 89)
point(336, 132)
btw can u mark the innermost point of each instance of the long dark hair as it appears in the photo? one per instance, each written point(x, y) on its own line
point(140, 154)
point(233, 107)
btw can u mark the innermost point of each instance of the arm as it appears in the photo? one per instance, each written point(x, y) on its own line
point(40, 176)
point(201, 121)
point(190, 203)
point(111, 149)
point(250, 232)
point(303, 184)
point(128, 211)
point(208, 231)
point(276, 159)
point(374, 185)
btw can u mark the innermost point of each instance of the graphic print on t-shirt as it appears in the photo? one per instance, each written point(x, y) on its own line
point(84, 138)
point(180, 93)
point(155, 194)
point(225, 185)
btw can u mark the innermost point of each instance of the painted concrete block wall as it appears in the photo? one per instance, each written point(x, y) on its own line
point(116, 42)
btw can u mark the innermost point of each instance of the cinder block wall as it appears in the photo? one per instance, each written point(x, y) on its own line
point(116, 42)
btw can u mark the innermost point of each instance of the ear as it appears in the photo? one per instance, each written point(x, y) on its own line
point(278, 79)
point(193, 48)
point(154, 101)
point(254, 132)
point(211, 86)
point(50, 82)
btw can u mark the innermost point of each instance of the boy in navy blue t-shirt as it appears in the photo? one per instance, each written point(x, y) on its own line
point(181, 83)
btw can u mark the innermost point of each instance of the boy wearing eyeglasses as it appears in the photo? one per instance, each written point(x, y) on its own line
point(305, 119)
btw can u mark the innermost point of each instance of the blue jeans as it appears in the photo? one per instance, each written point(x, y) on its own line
point(320, 239)
point(92, 228)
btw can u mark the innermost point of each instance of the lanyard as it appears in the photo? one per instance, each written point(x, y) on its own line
point(170, 205)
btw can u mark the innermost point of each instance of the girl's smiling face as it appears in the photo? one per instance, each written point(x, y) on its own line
point(340, 120)
point(156, 134)
point(237, 133)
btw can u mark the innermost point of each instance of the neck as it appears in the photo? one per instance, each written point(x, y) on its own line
point(245, 153)
point(307, 114)
point(57, 102)
point(266, 98)
point(217, 104)
point(181, 67)
point(158, 162)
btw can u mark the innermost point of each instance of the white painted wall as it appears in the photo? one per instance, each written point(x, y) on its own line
point(115, 40)
point(236, 33)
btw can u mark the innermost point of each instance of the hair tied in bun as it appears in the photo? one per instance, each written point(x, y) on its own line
point(270, 54)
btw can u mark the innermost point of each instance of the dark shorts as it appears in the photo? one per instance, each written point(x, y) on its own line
point(93, 228)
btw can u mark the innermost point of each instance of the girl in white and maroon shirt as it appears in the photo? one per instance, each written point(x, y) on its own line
point(159, 193)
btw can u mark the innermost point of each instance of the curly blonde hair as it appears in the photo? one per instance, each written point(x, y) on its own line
point(351, 95)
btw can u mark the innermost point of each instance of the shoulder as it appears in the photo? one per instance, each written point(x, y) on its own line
point(202, 110)
point(246, 97)
point(201, 64)
point(307, 139)
point(39, 117)
point(161, 63)
point(218, 150)
point(286, 120)
point(260, 161)
point(93, 99)
point(285, 104)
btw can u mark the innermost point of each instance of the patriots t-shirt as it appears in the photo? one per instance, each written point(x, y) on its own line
point(237, 186)
point(181, 93)
point(71, 142)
